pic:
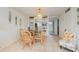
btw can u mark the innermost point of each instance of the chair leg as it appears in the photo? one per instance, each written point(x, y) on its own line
point(23, 45)
point(30, 44)
point(42, 41)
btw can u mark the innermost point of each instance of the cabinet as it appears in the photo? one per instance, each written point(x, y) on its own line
point(40, 24)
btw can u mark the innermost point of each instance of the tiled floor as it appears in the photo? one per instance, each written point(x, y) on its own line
point(51, 45)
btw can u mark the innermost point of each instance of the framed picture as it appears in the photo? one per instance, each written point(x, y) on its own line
point(77, 16)
point(10, 16)
point(16, 20)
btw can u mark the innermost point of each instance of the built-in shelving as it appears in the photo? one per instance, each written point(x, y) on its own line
point(41, 23)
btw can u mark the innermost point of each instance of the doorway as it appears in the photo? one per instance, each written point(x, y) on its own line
point(56, 27)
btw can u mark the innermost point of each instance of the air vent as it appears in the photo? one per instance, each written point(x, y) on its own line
point(67, 10)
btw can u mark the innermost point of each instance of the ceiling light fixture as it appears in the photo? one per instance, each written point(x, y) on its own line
point(39, 14)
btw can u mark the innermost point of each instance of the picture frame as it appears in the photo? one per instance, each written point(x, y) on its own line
point(10, 16)
point(16, 20)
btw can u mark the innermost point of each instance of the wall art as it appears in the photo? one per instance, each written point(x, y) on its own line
point(16, 20)
point(10, 16)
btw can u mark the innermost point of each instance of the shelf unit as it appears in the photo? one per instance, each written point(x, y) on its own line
point(41, 23)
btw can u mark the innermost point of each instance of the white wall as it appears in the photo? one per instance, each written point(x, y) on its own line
point(9, 31)
point(69, 21)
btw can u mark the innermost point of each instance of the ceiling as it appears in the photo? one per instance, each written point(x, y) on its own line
point(47, 11)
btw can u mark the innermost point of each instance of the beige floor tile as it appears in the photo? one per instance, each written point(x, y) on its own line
point(51, 45)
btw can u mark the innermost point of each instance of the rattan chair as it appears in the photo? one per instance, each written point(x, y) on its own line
point(25, 38)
